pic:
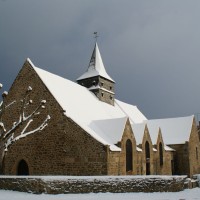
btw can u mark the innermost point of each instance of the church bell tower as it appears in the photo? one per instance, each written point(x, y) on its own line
point(97, 80)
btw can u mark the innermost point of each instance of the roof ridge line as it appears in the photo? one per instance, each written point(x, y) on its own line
point(124, 112)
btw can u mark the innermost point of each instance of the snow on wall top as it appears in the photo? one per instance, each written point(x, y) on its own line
point(102, 121)
point(96, 66)
point(174, 130)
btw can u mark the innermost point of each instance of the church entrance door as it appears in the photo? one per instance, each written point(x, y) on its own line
point(22, 168)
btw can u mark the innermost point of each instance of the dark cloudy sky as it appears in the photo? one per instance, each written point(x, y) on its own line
point(151, 48)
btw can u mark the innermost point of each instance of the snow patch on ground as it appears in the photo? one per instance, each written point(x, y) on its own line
point(183, 195)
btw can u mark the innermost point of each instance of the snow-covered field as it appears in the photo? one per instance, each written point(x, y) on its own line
point(184, 195)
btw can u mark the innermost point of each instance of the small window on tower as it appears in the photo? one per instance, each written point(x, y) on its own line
point(110, 87)
point(102, 94)
point(101, 83)
point(111, 97)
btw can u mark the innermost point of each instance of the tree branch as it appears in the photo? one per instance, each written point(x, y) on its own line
point(22, 117)
point(13, 139)
point(8, 137)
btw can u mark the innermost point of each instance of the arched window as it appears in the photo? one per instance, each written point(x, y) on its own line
point(147, 150)
point(147, 154)
point(197, 153)
point(22, 168)
point(129, 156)
point(161, 153)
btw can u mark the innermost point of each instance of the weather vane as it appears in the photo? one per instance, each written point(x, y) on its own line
point(96, 36)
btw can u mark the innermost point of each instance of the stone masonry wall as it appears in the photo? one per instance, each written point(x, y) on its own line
point(62, 148)
point(114, 163)
point(166, 167)
point(194, 151)
point(102, 95)
point(128, 135)
point(115, 184)
point(147, 138)
point(181, 159)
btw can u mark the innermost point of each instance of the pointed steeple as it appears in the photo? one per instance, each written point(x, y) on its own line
point(97, 80)
point(96, 66)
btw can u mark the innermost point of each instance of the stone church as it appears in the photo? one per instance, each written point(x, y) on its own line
point(90, 132)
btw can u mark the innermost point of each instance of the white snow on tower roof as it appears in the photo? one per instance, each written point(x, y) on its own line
point(95, 87)
point(96, 66)
point(174, 130)
point(102, 121)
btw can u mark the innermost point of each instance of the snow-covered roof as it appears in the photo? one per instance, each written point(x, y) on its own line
point(167, 148)
point(174, 130)
point(112, 128)
point(138, 149)
point(102, 121)
point(138, 131)
point(154, 149)
point(96, 66)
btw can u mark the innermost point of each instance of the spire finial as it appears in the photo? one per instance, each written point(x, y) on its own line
point(96, 36)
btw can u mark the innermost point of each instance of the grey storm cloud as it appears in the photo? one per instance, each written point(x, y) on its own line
point(150, 48)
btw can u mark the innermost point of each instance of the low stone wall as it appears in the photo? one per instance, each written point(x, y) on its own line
point(114, 184)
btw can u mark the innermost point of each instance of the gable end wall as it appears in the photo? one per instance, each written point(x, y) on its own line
point(62, 148)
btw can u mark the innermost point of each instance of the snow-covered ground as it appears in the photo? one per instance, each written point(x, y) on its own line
point(183, 195)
